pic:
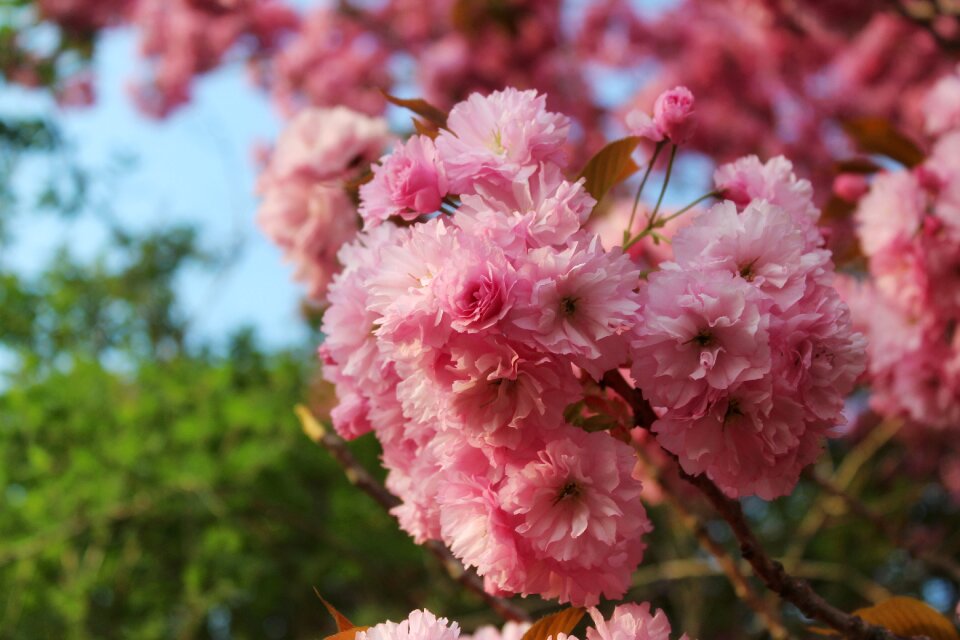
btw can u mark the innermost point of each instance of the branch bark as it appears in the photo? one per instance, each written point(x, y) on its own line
point(791, 589)
point(358, 476)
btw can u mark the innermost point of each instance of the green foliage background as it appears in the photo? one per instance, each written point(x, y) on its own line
point(151, 485)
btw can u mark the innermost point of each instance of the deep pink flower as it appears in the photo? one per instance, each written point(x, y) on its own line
point(409, 182)
point(673, 114)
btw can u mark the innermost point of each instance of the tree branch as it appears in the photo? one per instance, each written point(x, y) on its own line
point(794, 590)
point(363, 480)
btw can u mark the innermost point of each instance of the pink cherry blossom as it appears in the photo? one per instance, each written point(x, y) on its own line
point(411, 181)
point(545, 210)
point(941, 106)
point(761, 245)
point(419, 625)
point(630, 621)
point(749, 179)
point(892, 209)
point(309, 224)
point(673, 114)
point(700, 332)
point(500, 138)
point(328, 145)
point(578, 302)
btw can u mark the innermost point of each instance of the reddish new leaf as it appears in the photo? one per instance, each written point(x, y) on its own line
point(554, 624)
point(906, 617)
point(877, 135)
point(856, 165)
point(420, 107)
point(343, 623)
point(611, 165)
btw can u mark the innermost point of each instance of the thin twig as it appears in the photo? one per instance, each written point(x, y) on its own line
point(730, 567)
point(361, 478)
point(792, 589)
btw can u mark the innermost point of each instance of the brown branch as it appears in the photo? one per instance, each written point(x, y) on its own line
point(363, 480)
point(794, 590)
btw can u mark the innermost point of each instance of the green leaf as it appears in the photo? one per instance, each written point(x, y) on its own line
point(877, 135)
point(610, 166)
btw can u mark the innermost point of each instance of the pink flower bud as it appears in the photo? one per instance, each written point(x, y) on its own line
point(673, 114)
point(850, 186)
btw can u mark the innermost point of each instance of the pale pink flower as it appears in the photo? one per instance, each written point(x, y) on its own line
point(475, 289)
point(309, 223)
point(699, 331)
point(500, 138)
point(409, 182)
point(363, 378)
point(761, 245)
point(500, 391)
point(893, 208)
point(328, 145)
point(579, 302)
point(481, 533)
point(630, 621)
point(941, 106)
point(419, 625)
point(333, 60)
point(573, 501)
point(817, 355)
point(748, 179)
point(510, 631)
point(542, 211)
point(640, 123)
point(746, 440)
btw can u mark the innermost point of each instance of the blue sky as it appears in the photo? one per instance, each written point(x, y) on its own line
point(196, 167)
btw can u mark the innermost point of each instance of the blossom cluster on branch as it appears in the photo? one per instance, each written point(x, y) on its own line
point(908, 224)
point(475, 312)
point(629, 621)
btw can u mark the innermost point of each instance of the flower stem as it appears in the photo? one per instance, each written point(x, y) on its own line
point(643, 182)
point(663, 189)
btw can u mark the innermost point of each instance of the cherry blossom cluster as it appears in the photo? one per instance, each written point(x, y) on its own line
point(630, 621)
point(457, 339)
point(182, 39)
point(908, 224)
point(474, 309)
point(743, 345)
point(306, 207)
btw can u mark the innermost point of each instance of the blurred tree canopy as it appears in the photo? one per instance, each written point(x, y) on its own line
point(151, 485)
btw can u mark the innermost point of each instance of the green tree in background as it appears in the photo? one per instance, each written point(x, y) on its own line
point(152, 486)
